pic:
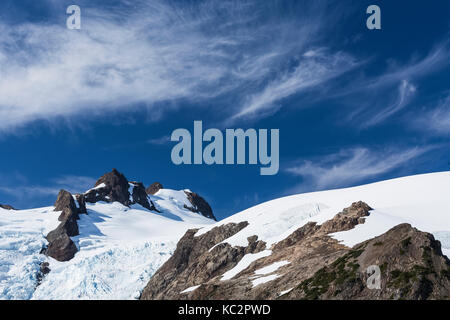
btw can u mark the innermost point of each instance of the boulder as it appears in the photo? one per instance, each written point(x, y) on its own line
point(154, 188)
point(61, 247)
point(65, 200)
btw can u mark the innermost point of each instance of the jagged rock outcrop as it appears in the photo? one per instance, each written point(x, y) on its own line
point(192, 262)
point(199, 205)
point(6, 207)
point(139, 195)
point(411, 263)
point(319, 267)
point(60, 246)
point(114, 186)
point(154, 188)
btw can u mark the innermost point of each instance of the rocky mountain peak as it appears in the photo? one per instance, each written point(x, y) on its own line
point(114, 186)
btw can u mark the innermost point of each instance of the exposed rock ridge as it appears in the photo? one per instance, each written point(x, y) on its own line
point(412, 267)
point(320, 267)
point(198, 259)
point(114, 186)
point(60, 246)
point(199, 205)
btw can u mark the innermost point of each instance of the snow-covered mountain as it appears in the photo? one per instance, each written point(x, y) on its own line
point(422, 201)
point(119, 247)
point(318, 245)
point(122, 244)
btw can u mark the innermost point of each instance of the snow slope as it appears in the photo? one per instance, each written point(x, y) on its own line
point(420, 200)
point(21, 239)
point(119, 249)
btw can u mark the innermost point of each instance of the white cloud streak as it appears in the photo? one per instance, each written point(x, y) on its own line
point(314, 69)
point(378, 98)
point(351, 166)
point(405, 94)
point(435, 121)
point(144, 53)
point(74, 184)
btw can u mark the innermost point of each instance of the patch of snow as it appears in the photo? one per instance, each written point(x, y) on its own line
point(130, 191)
point(244, 263)
point(271, 268)
point(190, 289)
point(444, 238)
point(282, 293)
point(262, 280)
point(171, 204)
point(101, 185)
point(120, 248)
point(22, 236)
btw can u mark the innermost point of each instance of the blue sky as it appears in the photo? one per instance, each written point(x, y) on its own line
point(353, 105)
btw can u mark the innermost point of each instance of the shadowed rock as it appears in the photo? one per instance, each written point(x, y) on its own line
point(60, 246)
point(139, 195)
point(6, 207)
point(114, 186)
point(199, 205)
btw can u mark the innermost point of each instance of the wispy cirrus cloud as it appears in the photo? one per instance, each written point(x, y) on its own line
point(375, 99)
point(23, 191)
point(159, 141)
point(141, 53)
point(313, 69)
point(435, 121)
point(351, 166)
point(405, 94)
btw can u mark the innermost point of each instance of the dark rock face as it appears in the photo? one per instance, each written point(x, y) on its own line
point(60, 246)
point(81, 200)
point(199, 205)
point(154, 188)
point(114, 186)
point(192, 261)
point(411, 263)
point(65, 200)
point(139, 195)
point(6, 207)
